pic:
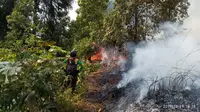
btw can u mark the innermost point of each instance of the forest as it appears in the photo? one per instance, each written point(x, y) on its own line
point(36, 36)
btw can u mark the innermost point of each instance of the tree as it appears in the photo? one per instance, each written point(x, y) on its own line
point(6, 7)
point(88, 25)
point(51, 15)
point(89, 19)
point(134, 20)
point(20, 24)
point(172, 10)
point(32, 80)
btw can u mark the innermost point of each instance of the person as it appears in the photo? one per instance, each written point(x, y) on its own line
point(72, 70)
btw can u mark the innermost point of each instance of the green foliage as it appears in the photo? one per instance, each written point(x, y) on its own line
point(70, 102)
point(91, 67)
point(28, 17)
point(38, 73)
point(89, 19)
point(31, 74)
point(134, 20)
point(20, 20)
point(53, 18)
point(113, 30)
point(6, 7)
point(7, 55)
point(37, 69)
point(83, 47)
point(172, 10)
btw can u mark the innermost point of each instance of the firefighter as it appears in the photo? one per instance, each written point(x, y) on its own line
point(72, 70)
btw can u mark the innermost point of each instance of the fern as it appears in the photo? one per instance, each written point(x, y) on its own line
point(9, 69)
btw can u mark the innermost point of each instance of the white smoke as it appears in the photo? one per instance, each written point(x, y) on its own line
point(112, 58)
point(174, 51)
point(193, 22)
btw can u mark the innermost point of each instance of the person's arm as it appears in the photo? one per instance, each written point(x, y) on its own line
point(65, 61)
point(80, 64)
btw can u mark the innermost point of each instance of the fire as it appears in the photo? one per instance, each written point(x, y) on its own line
point(102, 55)
point(98, 56)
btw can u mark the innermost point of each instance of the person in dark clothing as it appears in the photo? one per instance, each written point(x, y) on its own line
point(72, 70)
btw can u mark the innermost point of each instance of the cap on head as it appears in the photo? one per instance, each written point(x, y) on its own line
point(73, 53)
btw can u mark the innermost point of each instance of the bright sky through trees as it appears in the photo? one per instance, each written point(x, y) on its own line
point(192, 22)
point(72, 12)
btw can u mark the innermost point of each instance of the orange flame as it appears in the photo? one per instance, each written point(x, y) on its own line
point(98, 56)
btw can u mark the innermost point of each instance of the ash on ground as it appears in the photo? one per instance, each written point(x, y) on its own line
point(155, 101)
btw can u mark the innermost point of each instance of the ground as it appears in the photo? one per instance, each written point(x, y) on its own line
point(101, 87)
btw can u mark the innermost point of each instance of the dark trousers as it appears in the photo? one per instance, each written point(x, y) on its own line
point(72, 79)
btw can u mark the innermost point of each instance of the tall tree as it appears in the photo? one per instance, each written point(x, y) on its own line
point(52, 16)
point(89, 19)
point(88, 25)
point(20, 23)
point(134, 20)
point(6, 7)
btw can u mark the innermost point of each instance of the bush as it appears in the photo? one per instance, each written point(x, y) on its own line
point(84, 47)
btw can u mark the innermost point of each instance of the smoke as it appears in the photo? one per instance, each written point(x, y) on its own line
point(193, 21)
point(174, 52)
point(112, 58)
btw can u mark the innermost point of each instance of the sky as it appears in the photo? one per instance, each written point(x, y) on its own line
point(192, 23)
point(72, 12)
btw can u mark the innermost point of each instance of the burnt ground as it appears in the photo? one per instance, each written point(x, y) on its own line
point(104, 96)
point(102, 90)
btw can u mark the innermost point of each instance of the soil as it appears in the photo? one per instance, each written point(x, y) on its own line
point(102, 88)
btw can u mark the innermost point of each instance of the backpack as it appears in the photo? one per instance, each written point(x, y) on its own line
point(71, 64)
